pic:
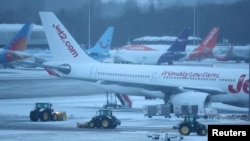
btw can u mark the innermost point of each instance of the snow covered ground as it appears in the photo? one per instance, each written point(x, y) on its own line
point(15, 112)
point(16, 126)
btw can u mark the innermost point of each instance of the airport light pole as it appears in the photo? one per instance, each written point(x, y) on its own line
point(195, 3)
point(89, 24)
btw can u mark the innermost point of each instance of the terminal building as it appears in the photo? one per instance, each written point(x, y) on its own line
point(37, 38)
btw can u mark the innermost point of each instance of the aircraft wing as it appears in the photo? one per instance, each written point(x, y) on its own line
point(150, 87)
point(165, 88)
point(206, 89)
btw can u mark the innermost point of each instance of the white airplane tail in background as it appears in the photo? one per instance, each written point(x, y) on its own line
point(62, 45)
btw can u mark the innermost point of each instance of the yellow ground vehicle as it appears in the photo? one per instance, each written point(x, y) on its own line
point(45, 112)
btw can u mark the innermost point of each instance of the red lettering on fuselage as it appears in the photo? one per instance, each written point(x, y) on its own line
point(241, 84)
point(190, 74)
point(63, 37)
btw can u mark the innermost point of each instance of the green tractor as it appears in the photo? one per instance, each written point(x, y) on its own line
point(103, 119)
point(190, 124)
point(45, 112)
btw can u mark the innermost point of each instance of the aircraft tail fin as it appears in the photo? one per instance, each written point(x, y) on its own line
point(20, 40)
point(205, 48)
point(209, 41)
point(181, 41)
point(177, 49)
point(62, 45)
point(102, 46)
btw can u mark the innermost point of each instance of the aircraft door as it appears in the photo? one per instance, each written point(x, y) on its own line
point(153, 77)
point(93, 72)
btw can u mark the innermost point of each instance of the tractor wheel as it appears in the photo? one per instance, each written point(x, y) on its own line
point(202, 131)
point(184, 129)
point(91, 124)
point(54, 117)
point(97, 123)
point(114, 122)
point(113, 126)
point(106, 123)
point(44, 115)
point(34, 115)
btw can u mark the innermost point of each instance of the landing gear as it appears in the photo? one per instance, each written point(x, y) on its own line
point(167, 101)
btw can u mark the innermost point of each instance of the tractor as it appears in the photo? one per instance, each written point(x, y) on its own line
point(44, 112)
point(103, 119)
point(190, 124)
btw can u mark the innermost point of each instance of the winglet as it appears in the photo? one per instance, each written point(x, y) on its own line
point(20, 40)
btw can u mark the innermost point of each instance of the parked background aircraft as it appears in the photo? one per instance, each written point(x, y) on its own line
point(233, 53)
point(178, 84)
point(145, 55)
point(14, 50)
point(205, 48)
point(38, 57)
point(99, 52)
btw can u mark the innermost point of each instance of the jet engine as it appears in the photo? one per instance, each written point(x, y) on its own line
point(201, 99)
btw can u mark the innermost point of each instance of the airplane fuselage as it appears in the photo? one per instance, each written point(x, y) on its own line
point(220, 81)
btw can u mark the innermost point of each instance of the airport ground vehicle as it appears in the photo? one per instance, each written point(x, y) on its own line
point(182, 110)
point(165, 136)
point(45, 112)
point(190, 124)
point(103, 119)
point(157, 110)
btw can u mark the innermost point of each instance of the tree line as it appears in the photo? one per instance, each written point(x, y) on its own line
point(131, 22)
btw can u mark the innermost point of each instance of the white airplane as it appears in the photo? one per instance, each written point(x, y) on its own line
point(234, 53)
point(144, 55)
point(177, 84)
point(38, 57)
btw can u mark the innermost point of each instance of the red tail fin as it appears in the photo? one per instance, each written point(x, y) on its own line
point(210, 40)
point(207, 45)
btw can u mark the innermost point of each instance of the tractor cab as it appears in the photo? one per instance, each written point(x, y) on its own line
point(104, 112)
point(43, 105)
point(190, 119)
